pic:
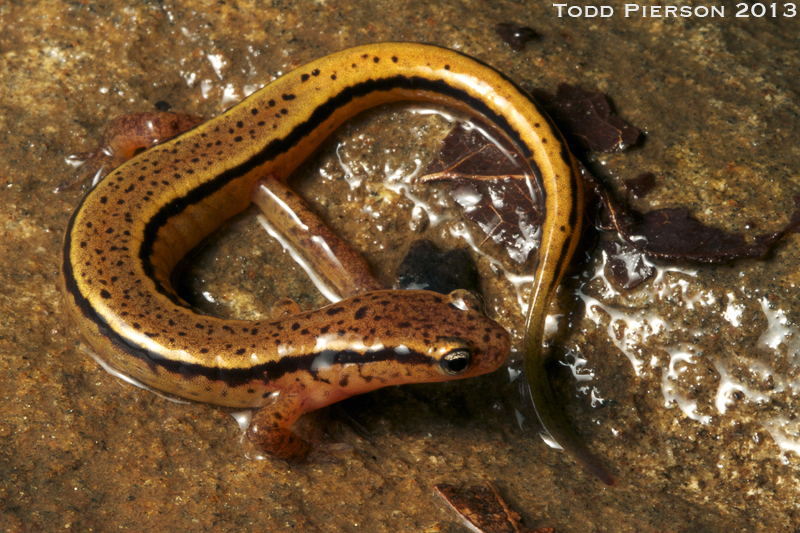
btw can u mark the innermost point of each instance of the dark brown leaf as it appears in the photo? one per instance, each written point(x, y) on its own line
point(674, 233)
point(482, 509)
point(466, 151)
point(587, 118)
point(491, 187)
point(626, 265)
point(515, 35)
point(504, 210)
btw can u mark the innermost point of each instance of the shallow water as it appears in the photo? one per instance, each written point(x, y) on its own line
point(686, 386)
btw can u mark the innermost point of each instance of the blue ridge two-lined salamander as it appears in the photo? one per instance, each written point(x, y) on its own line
point(129, 232)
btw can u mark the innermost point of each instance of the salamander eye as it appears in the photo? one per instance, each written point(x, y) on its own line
point(455, 362)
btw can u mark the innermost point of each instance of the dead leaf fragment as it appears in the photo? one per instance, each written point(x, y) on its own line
point(675, 233)
point(482, 510)
point(587, 118)
point(626, 265)
point(467, 151)
point(491, 186)
point(494, 191)
point(515, 35)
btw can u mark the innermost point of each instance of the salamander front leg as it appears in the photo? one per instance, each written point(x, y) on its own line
point(269, 429)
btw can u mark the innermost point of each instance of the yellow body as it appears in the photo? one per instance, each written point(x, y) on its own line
point(131, 230)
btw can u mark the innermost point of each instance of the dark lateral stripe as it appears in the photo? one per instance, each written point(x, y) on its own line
point(268, 153)
point(565, 153)
point(559, 268)
point(271, 370)
point(82, 303)
point(575, 211)
point(275, 370)
point(319, 115)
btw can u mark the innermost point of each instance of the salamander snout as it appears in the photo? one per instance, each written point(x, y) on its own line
point(483, 345)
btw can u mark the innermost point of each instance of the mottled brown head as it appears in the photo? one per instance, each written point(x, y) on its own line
point(396, 337)
point(467, 342)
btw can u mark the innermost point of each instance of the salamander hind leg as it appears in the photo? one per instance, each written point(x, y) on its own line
point(125, 137)
point(269, 429)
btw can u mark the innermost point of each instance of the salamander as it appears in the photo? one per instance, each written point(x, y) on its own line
point(131, 230)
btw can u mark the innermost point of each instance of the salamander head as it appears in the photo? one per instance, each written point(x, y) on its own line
point(412, 337)
point(468, 343)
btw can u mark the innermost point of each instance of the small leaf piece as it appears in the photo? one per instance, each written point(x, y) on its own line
point(515, 35)
point(588, 118)
point(482, 509)
point(676, 234)
point(626, 265)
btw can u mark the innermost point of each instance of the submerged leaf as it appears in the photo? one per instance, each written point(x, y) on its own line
point(626, 265)
point(491, 186)
point(674, 233)
point(515, 35)
point(468, 151)
point(482, 509)
point(641, 184)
